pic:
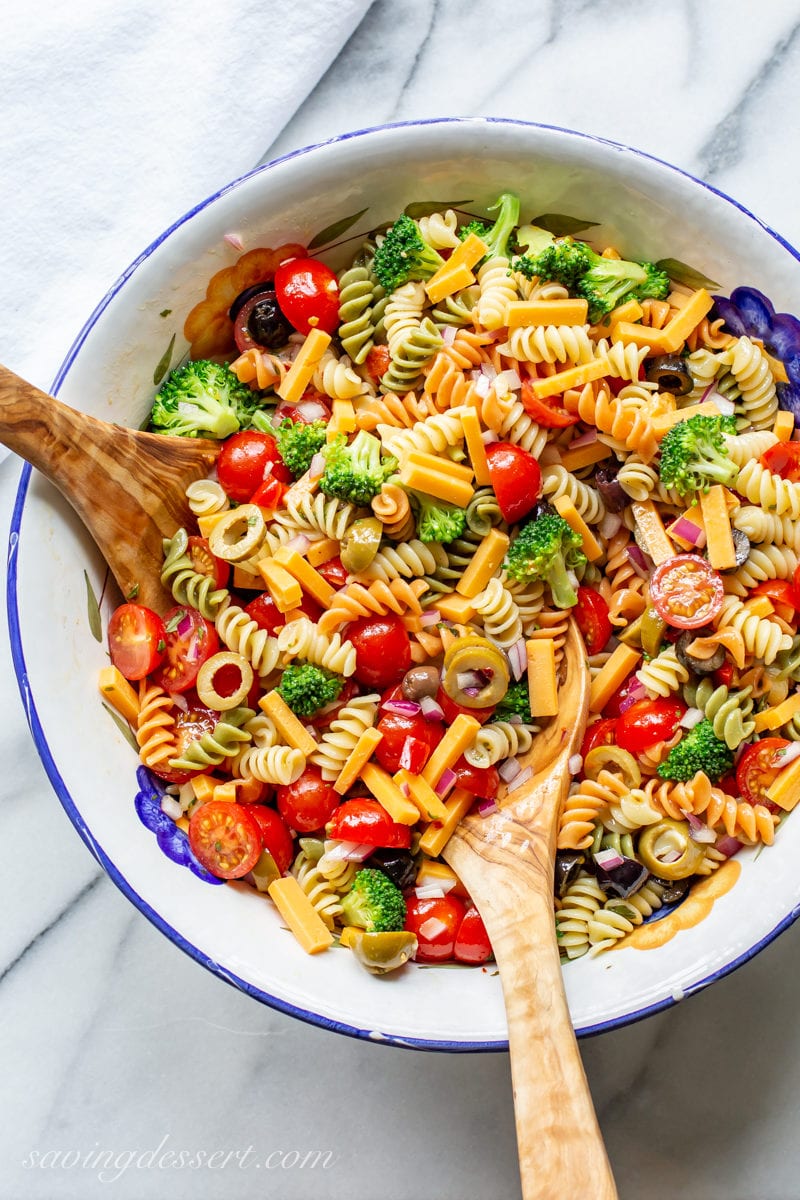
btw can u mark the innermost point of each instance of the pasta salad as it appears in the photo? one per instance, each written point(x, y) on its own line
point(429, 463)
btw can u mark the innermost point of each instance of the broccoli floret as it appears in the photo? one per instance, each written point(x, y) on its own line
point(699, 750)
point(547, 549)
point(516, 702)
point(694, 454)
point(477, 227)
point(404, 254)
point(355, 472)
point(439, 521)
point(307, 689)
point(499, 238)
point(374, 903)
point(564, 261)
point(200, 399)
point(298, 443)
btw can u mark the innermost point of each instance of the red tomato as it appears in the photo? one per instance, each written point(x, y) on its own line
point(407, 741)
point(602, 733)
point(307, 803)
point(591, 614)
point(451, 709)
point(308, 294)
point(225, 838)
point(269, 494)
point(267, 615)
point(784, 460)
point(190, 725)
point(755, 772)
point(368, 822)
point(615, 704)
point(136, 640)
point(275, 836)
point(547, 413)
point(383, 650)
point(190, 640)
point(483, 782)
point(686, 591)
point(244, 463)
point(206, 563)
point(436, 923)
point(647, 722)
point(782, 595)
point(472, 940)
point(516, 479)
point(377, 361)
point(333, 572)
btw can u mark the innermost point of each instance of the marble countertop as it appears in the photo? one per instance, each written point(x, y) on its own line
point(111, 1040)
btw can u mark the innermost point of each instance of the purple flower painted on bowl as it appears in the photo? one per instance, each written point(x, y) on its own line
point(748, 313)
point(171, 839)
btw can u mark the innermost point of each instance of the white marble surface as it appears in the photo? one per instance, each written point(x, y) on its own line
point(111, 1040)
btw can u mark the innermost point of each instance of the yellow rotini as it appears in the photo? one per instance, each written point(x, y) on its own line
point(240, 633)
point(356, 600)
point(155, 726)
point(583, 807)
point(302, 639)
point(499, 740)
point(664, 674)
point(501, 617)
point(338, 741)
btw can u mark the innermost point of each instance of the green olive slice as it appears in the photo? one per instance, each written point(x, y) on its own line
point(380, 952)
point(238, 533)
point(652, 632)
point(658, 845)
point(360, 544)
point(476, 673)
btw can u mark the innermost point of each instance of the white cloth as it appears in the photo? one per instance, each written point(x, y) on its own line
point(117, 117)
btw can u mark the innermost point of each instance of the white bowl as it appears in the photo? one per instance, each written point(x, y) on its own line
point(648, 208)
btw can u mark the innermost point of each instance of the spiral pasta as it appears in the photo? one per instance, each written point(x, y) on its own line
point(761, 526)
point(624, 358)
point(431, 436)
point(408, 560)
point(499, 740)
point(280, 765)
point(439, 230)
point(188, 585)
point(224, 741)
point(580, 903)
point(337, 742)
point(446, 384)
point(741, 447)
point(728, 710)
point(411, 356)
point(302, 639)
point(550, 343)
point(664, 674)
point(358, 290)
point(392, 507)
point(155, 726)
point(206, 497)
point(763, 562)
point(403, 314)
point(335, 377)
point(501, 619)
point(762, 636)
point(318, 889)
point(317, 514)
point(355, 600)
point(497, 291)
point(557, 481)
point(240, 633)
point(506, 417)
point(583, 806)
point(751, 370)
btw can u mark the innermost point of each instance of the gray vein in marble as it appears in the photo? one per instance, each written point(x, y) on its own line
point(726, 146)
point(418, 57)
point(74, 903)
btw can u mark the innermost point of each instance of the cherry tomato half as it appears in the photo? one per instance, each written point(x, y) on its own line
point(783, 596)
point(686, 591)
point(591, 614)
point(755, 772)
point(516, 479)
point(451, 709)
point(275, 835)
point(377, 361)
point(269, 494)
point(266, 614)
point(206, 563)
point(784, 460)
point(436, 922)
point(383, 650)
point(136, 640)
point(408, 741)
point(472, 941)
point(483, 782)
point(307, 803)
point(602, 733)
point(368, 822)
point(333, 572)
point(308, 293)
point(246, 460)
point(190, 640)
point(225, 838)
point(190, 725)
point(647, 722)
point(547, 413)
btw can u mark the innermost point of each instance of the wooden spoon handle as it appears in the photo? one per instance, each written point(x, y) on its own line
point(561, 1150)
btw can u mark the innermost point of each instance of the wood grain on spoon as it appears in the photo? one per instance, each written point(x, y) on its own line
point(506, 862)
point(128, 487)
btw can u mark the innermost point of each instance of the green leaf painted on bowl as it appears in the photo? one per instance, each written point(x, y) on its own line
point(162, 365)
point(331, 232)
point(683, 273)
point(424, 208)
point(122, 726)
point(560, 225)
point(165, 312)
point(93, 610)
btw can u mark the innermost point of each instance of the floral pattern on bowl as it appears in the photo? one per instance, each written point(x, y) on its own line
point(170, 837)
point(748, 313)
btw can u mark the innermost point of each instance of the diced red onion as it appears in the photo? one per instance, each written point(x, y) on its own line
point(610, 524)
point(300, 543)
point(518, 659)
point(317, 466)
point(429, 891)
point(171, 807)
point(728, 846)
point(687, 531)
point(444, 885)
point(585, 439)
point(449, 334)
point(469, 679)
point(487, 807)
point(671, 856)
point(180, 702)
point(268, 469)
point(708, 392)
point(407, 753)
point(782, 758)
point(472, 692)
point(725, 405)
point(432, 928)
point(406, 790)
point(431, 711)
point(403, 708)
point(430, 617)
point(310, 411)
point(489, 436)
point(698, 830)
point(234, 240)
point(446, 782)
point(348, 852)
point(508, 381)
point(488, 370)
point(184, 625)
point(637, 691)
point(483, 386)
point(692, 717)
point(638, 561)
point(518, 780)
point(608, 859)
point(509, 769)
point(575, 764)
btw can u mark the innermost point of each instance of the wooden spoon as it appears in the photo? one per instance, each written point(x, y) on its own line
point(128, 488)
point(506, 862)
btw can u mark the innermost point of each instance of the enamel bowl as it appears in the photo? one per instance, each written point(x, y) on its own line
point(649, 209)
